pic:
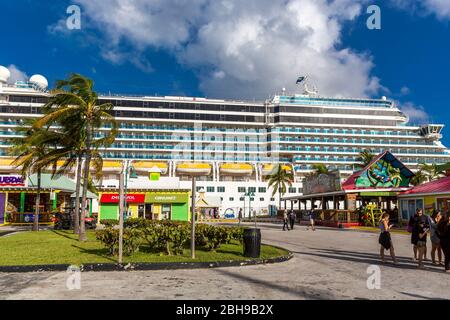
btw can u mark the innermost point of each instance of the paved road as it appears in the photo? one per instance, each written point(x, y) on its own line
point(328, 264)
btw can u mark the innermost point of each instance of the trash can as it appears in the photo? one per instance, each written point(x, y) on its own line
point(252, 243)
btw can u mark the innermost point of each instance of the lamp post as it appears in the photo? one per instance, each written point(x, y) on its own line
point(132, 174)
point(123, 185)
point(251, 195)
point(121, 205)
point(194, 191)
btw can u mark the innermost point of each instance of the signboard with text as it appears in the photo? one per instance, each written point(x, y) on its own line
point(114, 198)
point(12, 181)
point(166, 198)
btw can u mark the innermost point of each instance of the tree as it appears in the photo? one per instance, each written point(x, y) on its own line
point(279, 180)
point(419, 178)
point(76, 100)
point(432, 171)
point(365, 158)
point(320, 168)
point(29, 150)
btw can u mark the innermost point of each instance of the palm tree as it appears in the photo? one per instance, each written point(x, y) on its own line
point(279, 180)
point(419, 178)
point(70, 151)
point(320, 168)
point(365, 158)
point(30, 150)
point(432, 171)
point(75, 99)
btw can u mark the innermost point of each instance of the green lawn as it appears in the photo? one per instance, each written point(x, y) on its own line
point(62, 247)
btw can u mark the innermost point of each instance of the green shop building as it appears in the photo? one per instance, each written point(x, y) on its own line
point(150, 204)
point(18, 198)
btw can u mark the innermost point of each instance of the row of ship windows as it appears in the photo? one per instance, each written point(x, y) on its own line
point(335, 102)
point(298, 109)
point(335, 121)
point(151, 115)
point(214, 107)
point(247, 139)
point(344, 131)
point(219, 117)
point(244, 190)
point(355, 141)
point(262, 149)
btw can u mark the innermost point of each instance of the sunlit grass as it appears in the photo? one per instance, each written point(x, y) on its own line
point(62, 247)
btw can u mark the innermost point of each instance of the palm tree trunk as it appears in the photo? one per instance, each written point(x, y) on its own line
point(87, 164)
point(76, 215)
point(38, 202)
point(279, 195)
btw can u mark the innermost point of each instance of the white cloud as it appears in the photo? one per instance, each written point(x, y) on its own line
point(440, 8)
point(417, 114)
point(404, 91)
point(16, 74)
point(241, 49)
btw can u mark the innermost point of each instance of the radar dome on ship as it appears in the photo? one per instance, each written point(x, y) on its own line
point(39, 80)
point(4, 74)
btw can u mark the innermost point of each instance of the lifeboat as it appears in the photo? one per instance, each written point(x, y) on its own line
point(6, 165)
point(112, 166)
point(146, 166)
point(236, 169)
point(194, 168)
point(268, 168)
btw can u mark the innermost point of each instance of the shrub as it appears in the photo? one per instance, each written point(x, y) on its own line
point(137, 223)
point(167, 237)
point(201, 234)
point(236, 233)
point(109, 223)
point(132, 240)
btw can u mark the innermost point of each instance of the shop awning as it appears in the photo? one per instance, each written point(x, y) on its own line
point(57, 183)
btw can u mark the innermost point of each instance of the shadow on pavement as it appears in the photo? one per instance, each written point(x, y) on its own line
point(301, 292)
point(365, 258)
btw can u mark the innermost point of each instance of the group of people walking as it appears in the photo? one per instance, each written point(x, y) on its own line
point(290, 218)
point(420, 226)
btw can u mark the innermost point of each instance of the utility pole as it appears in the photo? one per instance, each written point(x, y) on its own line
point(193, 218)
point(121, 210)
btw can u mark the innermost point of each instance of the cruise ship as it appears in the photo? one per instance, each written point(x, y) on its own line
point(234, 145)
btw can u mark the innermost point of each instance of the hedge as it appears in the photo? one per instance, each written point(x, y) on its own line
point(165, 237)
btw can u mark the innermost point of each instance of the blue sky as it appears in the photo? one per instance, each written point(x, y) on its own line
point(245, 50)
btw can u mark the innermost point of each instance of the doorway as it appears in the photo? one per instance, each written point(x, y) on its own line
point(141, 211)
point(148, 211)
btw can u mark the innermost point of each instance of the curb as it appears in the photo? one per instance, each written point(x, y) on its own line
point(109, 267)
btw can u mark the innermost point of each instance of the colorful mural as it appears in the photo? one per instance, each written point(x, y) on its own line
point(386, 172)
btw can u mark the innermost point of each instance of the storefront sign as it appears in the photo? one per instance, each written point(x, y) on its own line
point(166, 198)
point(114, 198)
point(11, 181)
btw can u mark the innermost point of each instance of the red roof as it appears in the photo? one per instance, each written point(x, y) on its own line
point(438, 186)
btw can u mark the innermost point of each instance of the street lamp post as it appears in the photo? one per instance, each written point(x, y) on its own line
point(193, 218)
point(123, 189)
point(121, 209)
point(251, 195)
